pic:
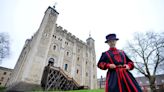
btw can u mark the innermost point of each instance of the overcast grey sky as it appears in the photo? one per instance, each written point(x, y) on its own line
point(21, 19)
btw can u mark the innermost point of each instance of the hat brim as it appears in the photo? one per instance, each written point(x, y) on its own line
point(111, 39)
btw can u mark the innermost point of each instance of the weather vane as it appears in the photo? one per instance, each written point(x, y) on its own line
point(55, 5)
point(89, 33)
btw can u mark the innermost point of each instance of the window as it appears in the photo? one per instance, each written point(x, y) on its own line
point(59, 39)
point(78, 58)
point(54, 47)
point(67, 53)
point(86, 74)
point(51, 61)
point(77, 71)
point(93, 76)
point(66, 43)
point(65, 67)
point(2, 78)
point(4, 73)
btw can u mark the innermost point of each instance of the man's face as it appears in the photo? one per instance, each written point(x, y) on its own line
point(112, 43)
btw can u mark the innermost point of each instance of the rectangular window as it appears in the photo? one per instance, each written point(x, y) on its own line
point(65, 67)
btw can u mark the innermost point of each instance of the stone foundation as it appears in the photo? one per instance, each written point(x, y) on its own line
point(23, 86)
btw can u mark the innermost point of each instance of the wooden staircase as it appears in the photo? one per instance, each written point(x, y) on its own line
point(54, 78)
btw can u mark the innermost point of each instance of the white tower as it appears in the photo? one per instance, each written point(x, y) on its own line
point(75, 57)
point(29, 67)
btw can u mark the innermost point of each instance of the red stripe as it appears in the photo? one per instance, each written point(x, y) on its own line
point(109, 57)
point(119, 83)
point(125, 82)
point(131, 65)
point(124, 57)
point(131, 82)
point(106, 86)
point(102, 65)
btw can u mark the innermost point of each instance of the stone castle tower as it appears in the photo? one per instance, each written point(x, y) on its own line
point(74, 56)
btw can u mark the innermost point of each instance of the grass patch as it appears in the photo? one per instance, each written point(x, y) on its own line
point(94, 90)
point(2, 89)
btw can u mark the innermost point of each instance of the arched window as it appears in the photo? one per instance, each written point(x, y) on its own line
point(67, 53)
point(77, 71)
point(54, 47)
point(4, 73)
point(51, 60)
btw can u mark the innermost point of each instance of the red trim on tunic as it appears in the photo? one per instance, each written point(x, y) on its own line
point(119, 82)
point(102, 65)
point(106, 85)
point(109, 57)
point(107, 66)
point(131, 81)
point(117, 57)
point(113, 48)
point(125, 81)
point(131, 65)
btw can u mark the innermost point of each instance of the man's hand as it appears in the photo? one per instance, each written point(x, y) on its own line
point(112, 66)
point(127, 67)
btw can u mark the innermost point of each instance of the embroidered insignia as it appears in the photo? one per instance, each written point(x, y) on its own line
point(117, 57)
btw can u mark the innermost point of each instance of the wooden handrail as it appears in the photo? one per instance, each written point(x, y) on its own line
point(55, 74)
point(62, 71)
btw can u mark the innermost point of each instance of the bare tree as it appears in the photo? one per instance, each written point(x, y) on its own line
point(147, 49)
point(4, 46)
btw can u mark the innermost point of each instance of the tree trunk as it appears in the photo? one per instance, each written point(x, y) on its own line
point(153, 88)
point(152, 84)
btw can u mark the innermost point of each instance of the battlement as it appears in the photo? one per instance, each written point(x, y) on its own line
point(61, 29)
